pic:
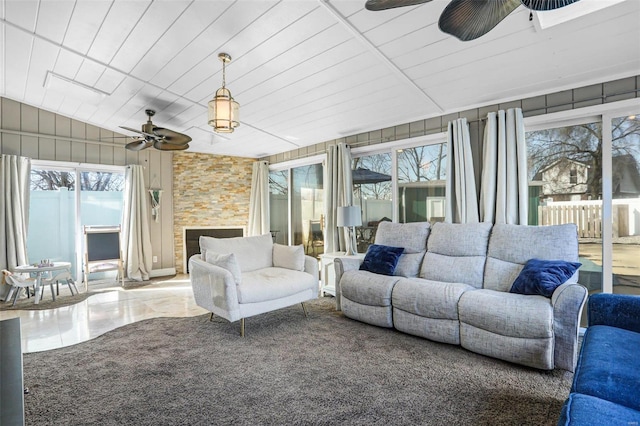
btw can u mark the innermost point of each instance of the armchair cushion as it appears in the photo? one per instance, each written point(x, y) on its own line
point(226, 261)
point(252, 253)
point(542, 277)
point(381, 259)
point(274, 283)
point(289, 257)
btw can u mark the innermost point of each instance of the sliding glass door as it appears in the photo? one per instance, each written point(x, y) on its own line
point(307, 208)
point(372, 191)
point(63, 200)
point(279, 205)
point(625, 211)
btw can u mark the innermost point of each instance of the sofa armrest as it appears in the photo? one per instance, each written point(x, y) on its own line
point(341, 266)
point(615, 310)
point(567, 301)
point(214, 288)
point(311, 267)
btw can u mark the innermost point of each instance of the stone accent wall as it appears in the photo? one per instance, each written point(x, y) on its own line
point(209, 190)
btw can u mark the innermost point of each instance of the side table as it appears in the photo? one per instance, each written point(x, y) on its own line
point(328, 275)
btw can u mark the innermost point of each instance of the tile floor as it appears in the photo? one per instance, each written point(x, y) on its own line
point(54, 328)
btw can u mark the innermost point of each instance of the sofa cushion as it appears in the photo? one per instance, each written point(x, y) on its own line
point(289, 257)
point(430, 299)
point(456, 253)
point(367, 288)
point(608, 365)
point(252, 253)
point(410, 236)
point(225, 261)
point(273, 283)
point(511, 246)
point(587, 410)
point(381, 259)
point(507, 314)
point(409, 264)
point(542, 277)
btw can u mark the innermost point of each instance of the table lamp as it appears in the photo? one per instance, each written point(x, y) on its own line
point(349, 216)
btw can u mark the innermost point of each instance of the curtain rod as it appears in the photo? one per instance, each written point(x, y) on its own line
point(62, 138)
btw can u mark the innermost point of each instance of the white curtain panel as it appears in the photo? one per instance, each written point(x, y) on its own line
point(461, 196)
point(504, 195)
point(136, 237)
point(338, 190)
point(259, 222)
point(14, 212)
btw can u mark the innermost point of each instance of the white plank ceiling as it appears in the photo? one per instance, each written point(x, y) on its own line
point(303, 71)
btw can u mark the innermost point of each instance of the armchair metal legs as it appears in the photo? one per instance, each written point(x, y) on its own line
point(304, 309)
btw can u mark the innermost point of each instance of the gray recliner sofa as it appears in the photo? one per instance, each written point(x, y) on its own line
point(452, 285)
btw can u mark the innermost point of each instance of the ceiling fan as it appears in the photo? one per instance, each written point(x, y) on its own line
point(469, 19)
point(158, 137)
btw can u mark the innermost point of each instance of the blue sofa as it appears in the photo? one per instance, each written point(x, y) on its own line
point(606, 384)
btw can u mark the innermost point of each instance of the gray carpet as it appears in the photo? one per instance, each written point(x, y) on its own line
point(325, 369)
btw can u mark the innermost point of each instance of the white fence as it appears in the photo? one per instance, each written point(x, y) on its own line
point(587, 215)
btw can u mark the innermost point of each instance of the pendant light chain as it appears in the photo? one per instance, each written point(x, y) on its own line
point(224, 74)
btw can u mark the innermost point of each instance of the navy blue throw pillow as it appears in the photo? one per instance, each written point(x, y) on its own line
point(542, 277)
point(381, 259)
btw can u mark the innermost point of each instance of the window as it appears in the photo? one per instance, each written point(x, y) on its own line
point(57, 210)
point(372, 192)
point(307, 208)
point(573, 176)
point(279, 205)
point(422, 174)
point(558, 159)
point(625, 211)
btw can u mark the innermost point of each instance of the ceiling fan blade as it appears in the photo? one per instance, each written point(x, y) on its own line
point(542, 5)
point(172, 137)
point(469, 19)
point(166, 146)
point(138, 145)
point(376, 5)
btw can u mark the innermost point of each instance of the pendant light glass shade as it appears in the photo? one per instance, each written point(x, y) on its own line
point(224, 111)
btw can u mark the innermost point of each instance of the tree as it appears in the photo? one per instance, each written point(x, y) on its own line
point(51, 180)
point(423, 163)
point(582, 143)
point(278, 182)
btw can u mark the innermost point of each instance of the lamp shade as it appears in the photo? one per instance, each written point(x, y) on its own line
point(349, 216)
point(223, 112)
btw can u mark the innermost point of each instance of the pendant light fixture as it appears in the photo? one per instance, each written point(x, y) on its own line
point(223, 109)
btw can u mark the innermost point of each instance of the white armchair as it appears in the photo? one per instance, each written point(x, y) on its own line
point(236, 278)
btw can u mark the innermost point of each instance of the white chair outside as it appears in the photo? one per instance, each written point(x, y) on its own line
point(17, 283)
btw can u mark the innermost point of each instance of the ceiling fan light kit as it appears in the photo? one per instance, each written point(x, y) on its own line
point(469, 19)
point(223, 109)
